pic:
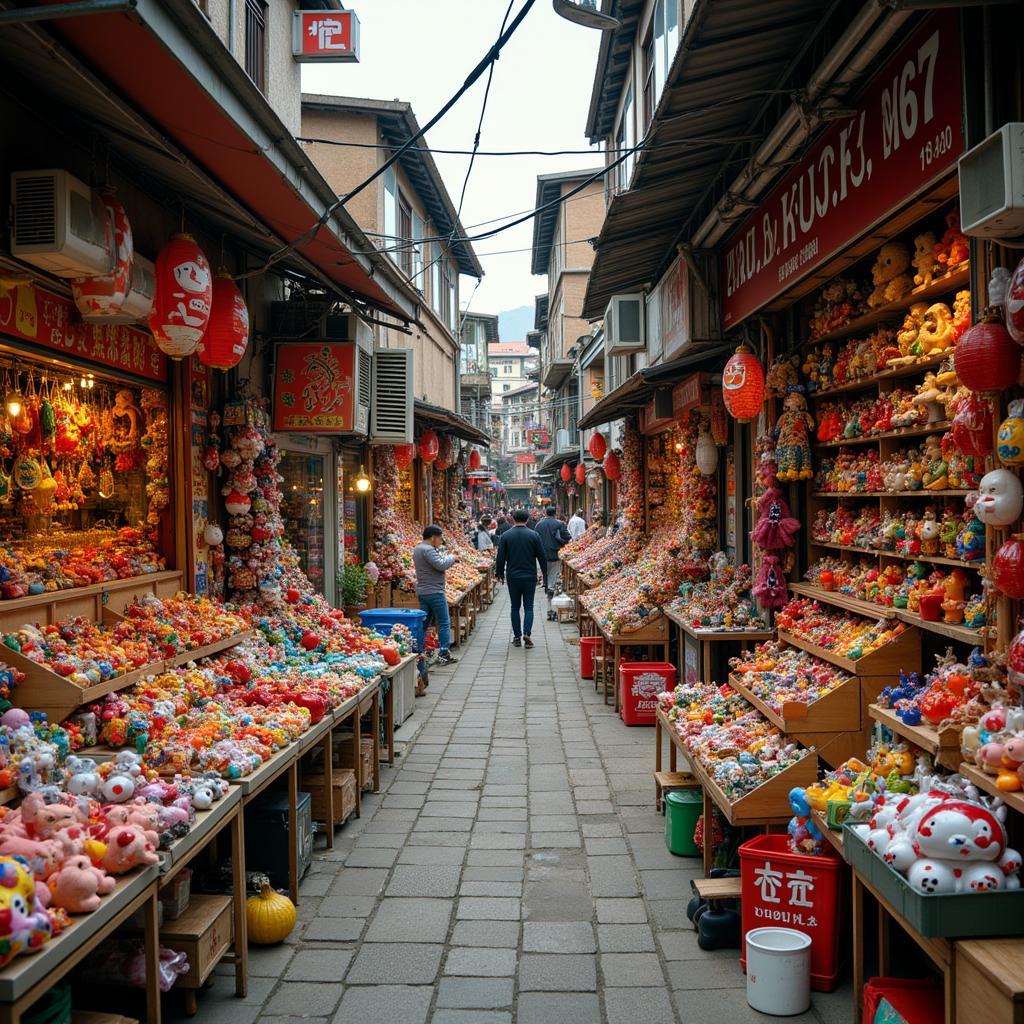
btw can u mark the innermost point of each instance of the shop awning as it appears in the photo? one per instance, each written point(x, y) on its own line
point(635, 392)
point(438, 418)
point(555, 460)
point(733, 55)
point(169, 96)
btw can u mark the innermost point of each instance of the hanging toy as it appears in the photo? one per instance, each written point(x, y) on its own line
point(106, 487)
point(1010, 440)
point(86, 477)
point(771, 590)
point(776, 528)
point(27, 473)
point(45, 491)
point(793, 430)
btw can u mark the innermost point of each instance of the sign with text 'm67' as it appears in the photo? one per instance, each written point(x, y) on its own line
point(904, 133)
point(325, 36)
point(314, 387)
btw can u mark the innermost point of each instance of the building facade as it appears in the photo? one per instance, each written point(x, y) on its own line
point(479, 332)
point(511, 364)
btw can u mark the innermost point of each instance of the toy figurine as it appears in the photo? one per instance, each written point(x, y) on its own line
point(804, 835)
point(924, 259)
point(793, 431)
point(889, 275)
point(955, 587)
point(936, 476)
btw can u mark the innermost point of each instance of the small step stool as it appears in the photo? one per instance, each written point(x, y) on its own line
point(566, 614)
point(714, 890)
point(665, 782)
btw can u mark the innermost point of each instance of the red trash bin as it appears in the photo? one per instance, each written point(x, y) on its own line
point(641, 682)
point(588, 648)
point(794, 890)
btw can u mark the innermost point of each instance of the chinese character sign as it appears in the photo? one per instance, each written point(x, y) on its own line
point(314, 387)
point(331, 36)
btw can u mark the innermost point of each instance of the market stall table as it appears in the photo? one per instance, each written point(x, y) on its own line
point(653, 636)
point(707, 638)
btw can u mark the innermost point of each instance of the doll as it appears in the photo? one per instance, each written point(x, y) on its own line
point(793, 430)
point(770, 589)
point(776, 528)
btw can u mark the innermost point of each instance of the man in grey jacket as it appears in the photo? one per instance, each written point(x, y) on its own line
point(431, 568)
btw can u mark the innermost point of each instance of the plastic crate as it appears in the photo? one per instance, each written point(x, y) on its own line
point(641, 682)
point(382, 619)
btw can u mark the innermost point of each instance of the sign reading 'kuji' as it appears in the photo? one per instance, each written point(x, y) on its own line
point(314, 387)
point(325, 36)
point(905, 133)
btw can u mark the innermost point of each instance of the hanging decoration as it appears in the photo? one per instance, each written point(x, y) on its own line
point(1000, 498)
point(581, 474)
point(103, 295)
point(1008, 567)
point(986, 358)
point(706, 455)
point(445, 452)
point(612, 466)
point(743, 385)
point(404, 454)
point(184, 292)
point(566, 472)
point(598, 446)
point(719, 420)
point(474, 459)
point(429, 446)
point(971, 428)
point(227, 335)
point(594, 478)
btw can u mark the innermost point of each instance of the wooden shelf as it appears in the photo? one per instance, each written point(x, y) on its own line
point(986, 782)
point(942, 744)
point(963, 634)
point(928, 428)
point(834, 712)
point(717, 634)
point(206, 823)
point(924, 493)
point(885, 661)
point(977, 564)
point(952, 281)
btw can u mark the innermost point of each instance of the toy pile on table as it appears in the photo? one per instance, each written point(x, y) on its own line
point(781, 675)
point(575, 548)
point(722, 602)
point(734, 743)
point(846, 635)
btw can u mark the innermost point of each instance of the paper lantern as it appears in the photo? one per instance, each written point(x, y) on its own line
point(566, 472)
point(236, 503)
point(719, 420)
point(1014, 304)
point(445, 452)
point(104, 294)
point(474, 459)
point(743, 385)
point(581, 474)
point(1008, 567)
point(227, 335)
point(971, 429)
point(706, 454)
point(598, 446)
point(184, 293)
point(612, 466)
point(986, 358)
point(429, 446)
point(404, 454)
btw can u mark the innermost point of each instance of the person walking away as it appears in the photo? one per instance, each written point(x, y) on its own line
point(520, 554)
point(577, 525)
point(504, 524)
point(553, 536)
point(431, 568)
point(483, 535)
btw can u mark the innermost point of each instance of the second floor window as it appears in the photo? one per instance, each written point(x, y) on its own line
point(256, 42)
point(405, 240)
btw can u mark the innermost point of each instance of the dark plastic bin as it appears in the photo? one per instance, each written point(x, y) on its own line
point(382, 619)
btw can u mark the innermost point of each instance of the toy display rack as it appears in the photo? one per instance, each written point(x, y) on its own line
point(942, 743)
point(707, 638)
point(654, 636)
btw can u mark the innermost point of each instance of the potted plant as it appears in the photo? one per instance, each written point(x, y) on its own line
point(355, 584)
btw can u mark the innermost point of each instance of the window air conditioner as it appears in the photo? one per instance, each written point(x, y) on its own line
point(348, 327)
point(138, 303)
point(624, 324)
point(364, 387)
point(992, 185)
point(391, 407)
point(562, 442)
point(60, 225)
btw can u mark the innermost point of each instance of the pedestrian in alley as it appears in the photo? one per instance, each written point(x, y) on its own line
point(482, 538)
point(577, 525)
point(520, 554)
point(554, 536)
point(504, 523)
point(431, 569)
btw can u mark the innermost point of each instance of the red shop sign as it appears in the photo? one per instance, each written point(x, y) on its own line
point(905, 134)
point(314, 387)
point(686, 395)
point(325, 36)
point(52, 322)
point(525, 458)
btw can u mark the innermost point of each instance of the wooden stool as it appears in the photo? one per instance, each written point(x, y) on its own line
point(665, 782)
point(566, 615)
point(714, 890)
point(598, 661)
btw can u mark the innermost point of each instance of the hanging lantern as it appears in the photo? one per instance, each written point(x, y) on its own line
point(184, 293)
point(404, 454)
point(103, 295)
point(743, 385)
point(612, 466)
point(1008, 567)
point(429, 446)
point(706, 454)
point(474, 459)
point(986, 357)
point(581, 474)
point(598, 446)
point(566, 472)
point(445, 452)
point(719, 420)
point(1014, 304)
point(971, 429)
point(594, 478)
point(227, 335)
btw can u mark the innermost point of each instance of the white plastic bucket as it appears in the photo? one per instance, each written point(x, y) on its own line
point(778, 971)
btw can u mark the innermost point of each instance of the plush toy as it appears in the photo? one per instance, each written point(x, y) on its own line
point(783, 375)
point(776, 528)
point(889, 275)
point(793, 431)
point(936, 333)
point(924, 259)
point(953, 248)
point(78, 885)
point(804, 835)
point(27, 925)
point(771, 590)
point(127, 847)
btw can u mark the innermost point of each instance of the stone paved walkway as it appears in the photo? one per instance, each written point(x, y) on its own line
point(511, 869)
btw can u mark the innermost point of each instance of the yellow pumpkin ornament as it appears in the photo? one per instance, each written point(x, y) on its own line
point(270, 917)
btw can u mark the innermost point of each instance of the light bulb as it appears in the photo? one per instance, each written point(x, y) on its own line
point(14, 404)
point(68, 385)
point(362, 481)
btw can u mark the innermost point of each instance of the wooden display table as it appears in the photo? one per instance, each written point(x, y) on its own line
point(706, 638)
point(394, 673)
point(990, 980)
point(654, 636)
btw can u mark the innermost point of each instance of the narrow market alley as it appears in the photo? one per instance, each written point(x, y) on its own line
point(512, 869)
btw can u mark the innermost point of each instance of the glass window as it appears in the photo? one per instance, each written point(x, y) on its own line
point(435, 277)
point(390, 211)
point(649, 101)
point(405, 260)
point(302, 508)
point(506, 387)
point(256, 42)
point(417, 252)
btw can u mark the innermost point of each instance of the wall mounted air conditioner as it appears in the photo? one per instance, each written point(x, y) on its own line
point(364, 387)
point(624, 324)
point(348, 327)
point(392, 396)
point(992, 185)
point(60, 225)
point(562, 440)
point(138, 303)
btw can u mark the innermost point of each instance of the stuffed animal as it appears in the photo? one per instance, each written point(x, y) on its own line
point(127, 847)
point(794, 431)
point(27, 925)
point(78, 885)
point(889, 275)
point(953, 248)
point(936, 333)
point(906, 336)
point(924, 259)
point(783, 375)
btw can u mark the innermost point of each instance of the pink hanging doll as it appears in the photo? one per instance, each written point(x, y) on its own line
point(770, 589)
point(776, 528)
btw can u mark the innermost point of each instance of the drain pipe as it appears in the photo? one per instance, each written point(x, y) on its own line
point(783, 141)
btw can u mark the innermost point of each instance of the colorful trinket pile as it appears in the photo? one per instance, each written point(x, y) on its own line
point(849, 636)
point(947, 695)
point(780, 675)
point(722, 602)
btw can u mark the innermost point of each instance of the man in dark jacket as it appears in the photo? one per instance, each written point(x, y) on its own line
point(554, 536)
point(504, 525)
point(520, 554)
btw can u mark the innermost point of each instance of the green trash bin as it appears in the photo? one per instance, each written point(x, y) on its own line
point(682, 809)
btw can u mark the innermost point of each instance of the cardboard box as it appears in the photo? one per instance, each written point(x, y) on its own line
point(343, 756)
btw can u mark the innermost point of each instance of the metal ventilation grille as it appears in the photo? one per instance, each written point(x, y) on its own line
point(391, 410)
point(35, 211)
point(364, 378)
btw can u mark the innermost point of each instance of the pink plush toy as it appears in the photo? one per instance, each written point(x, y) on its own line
point(770, 589)
point(121, 815)
point(78, 885)
point(127, 847)
point(43, 856)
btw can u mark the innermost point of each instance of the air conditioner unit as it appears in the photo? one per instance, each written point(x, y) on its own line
point(992, 185)
point(138, 303)
point(392, 396)
point(364, 387)
point(624, 324)
point(60, 225)
point(348, 327)
point(562, 441)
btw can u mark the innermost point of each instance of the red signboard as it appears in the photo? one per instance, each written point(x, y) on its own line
point(686, 395)
point(905, 133)
point(325, 36)
point(525, 458)
point(314, 387)
point(52, 322)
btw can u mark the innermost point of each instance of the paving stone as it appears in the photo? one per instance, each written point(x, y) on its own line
point(476, 908)
point(320, 964)
point(491, 889)
point(334, 929)
point(404, 1003)
point(410, 920)
point(605, 847)
point(710, 972)
point(430, 855)
point(619, 969)
point(486, 933)
point(424, 880)
point(650, 1005)
point(371, 857)
point(475, 993)
point(487, 962)
point(304, 999)
point(359, 882)
point(347, 906)
point(612, 876)
point(625, 938)
point(405, 963)
point(557, 972)
point(546, 1007)
point(558, 937)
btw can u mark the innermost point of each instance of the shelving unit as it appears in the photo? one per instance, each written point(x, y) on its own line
point(942, 744)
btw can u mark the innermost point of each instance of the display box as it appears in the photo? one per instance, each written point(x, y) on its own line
point(203, 933)
point(344, 783)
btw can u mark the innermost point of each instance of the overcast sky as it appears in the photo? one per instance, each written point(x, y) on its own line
point(421, 52)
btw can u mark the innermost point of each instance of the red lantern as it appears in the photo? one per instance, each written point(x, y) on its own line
point(227, 335)
point(429, 446)
point(566, 473)
point(581, 474)
point(598, 446)
point(445, 452)
point(1014, 304)
point(719, 420)
point(612, 466)
point(986, 357)
point(404, 454)
point(104, 295)
point(971, 429)
point(743, 385)
point(184, 292)
point(1008, 567)
point(474, 459)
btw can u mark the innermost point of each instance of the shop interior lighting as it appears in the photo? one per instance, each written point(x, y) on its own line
point(362, 481)
point(585, 13)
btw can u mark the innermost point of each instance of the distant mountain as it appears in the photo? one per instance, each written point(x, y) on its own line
point(513, 324)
